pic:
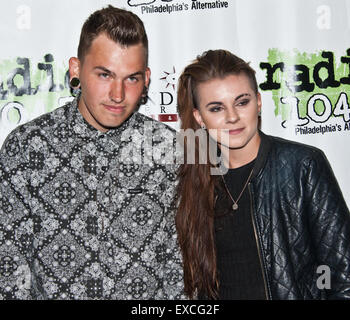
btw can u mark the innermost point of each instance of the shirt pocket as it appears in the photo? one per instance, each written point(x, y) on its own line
point(137, 216)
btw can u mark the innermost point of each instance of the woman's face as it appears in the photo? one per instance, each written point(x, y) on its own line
point(230, 106)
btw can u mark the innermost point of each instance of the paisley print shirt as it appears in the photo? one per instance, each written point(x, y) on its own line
point(86, 214)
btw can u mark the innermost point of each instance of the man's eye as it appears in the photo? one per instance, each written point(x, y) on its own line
point(133, 79)
point(104, 75)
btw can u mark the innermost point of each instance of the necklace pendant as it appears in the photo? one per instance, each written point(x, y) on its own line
point(235, 206)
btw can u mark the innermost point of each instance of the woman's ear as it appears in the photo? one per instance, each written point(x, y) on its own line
point(258, 96)
point(198, 117)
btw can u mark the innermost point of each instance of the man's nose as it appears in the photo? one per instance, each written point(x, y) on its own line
point(117, 92)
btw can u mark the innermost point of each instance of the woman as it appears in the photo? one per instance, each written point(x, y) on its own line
point(275, 225)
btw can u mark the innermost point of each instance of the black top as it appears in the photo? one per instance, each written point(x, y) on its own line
point(239, 268)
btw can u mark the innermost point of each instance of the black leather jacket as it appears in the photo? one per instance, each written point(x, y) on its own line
point(301, 222)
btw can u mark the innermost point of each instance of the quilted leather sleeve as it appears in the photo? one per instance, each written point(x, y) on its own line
point(302, 221)
point(329, 224)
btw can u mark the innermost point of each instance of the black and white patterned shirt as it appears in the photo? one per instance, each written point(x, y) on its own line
point(86, 214)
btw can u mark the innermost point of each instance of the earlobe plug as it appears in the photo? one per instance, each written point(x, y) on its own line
point(74, 82)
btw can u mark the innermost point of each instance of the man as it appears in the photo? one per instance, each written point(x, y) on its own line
point(84, 212)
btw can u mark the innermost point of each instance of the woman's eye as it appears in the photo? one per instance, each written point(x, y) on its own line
point(215, 109)
point(243, 102)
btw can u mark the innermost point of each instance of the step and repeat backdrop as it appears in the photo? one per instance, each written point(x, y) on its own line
point(299, 49)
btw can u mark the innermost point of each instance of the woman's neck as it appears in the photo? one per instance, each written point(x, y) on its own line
point(235, 158)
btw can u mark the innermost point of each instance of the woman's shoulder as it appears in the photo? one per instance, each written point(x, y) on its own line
point(290, 146)
point(284, 150)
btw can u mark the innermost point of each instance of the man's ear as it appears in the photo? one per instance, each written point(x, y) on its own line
point(198, 117)
point(74, 68)
point(147, 77)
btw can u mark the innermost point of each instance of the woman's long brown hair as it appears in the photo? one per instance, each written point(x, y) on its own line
point(195, 189)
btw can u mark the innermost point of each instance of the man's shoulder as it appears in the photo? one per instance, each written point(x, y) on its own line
point(41, 125)
point(154, 124)
point(45, 120)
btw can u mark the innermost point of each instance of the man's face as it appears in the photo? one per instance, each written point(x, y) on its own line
point(112, 79)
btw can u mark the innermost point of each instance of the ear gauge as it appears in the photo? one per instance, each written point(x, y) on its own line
point(203, 126)
point(74, 83)
point(74, 86)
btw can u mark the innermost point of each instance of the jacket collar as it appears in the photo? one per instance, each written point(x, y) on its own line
point(264, 149)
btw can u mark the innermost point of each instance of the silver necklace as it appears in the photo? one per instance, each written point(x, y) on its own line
point(235, 202)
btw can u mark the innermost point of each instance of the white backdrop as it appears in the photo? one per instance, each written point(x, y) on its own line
point(298, 48)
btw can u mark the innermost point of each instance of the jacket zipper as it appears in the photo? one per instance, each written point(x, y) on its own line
point(258, 246)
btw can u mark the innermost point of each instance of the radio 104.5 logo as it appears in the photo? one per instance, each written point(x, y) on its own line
point(310, 91)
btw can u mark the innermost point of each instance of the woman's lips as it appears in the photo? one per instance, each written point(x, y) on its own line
point(235, 131)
